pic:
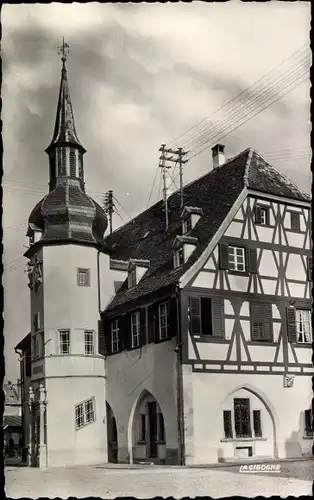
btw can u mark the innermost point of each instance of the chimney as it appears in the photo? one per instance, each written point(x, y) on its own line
point(218, 155)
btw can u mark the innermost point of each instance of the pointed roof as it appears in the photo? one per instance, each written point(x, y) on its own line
point(64, 131)
point(215, 193)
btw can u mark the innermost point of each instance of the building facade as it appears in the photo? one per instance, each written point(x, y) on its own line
point(181, 344)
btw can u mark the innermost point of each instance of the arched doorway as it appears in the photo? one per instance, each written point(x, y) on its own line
point(147, 430)
point(112, 435)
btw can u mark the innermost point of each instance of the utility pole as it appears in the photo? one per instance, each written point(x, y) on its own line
point(164, 167)
point(109, 207)
point(178, 155)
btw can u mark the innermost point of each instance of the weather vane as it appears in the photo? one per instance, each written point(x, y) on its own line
point(63, 50)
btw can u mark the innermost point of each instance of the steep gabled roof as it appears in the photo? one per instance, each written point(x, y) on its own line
point(215, 193)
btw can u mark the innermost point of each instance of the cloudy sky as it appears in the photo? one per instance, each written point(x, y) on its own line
point(140, 75)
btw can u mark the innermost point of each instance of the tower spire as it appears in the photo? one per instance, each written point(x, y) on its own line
point(64, 131)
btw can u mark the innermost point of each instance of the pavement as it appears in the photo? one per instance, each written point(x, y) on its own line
point(295, 478)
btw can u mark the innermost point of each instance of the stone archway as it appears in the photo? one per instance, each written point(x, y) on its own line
point(112, 435)
point(146, 430)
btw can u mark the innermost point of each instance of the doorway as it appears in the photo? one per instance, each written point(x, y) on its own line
point(112, 435)
point(152, 429)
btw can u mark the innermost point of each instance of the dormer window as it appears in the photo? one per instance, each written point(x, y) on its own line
point(190, 216)
point(178, 257)
point(187, 224)
point(183, 247)
point(132, 278)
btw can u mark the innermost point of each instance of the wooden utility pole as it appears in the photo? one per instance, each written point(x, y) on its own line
point(177, 158)
point(109, 207)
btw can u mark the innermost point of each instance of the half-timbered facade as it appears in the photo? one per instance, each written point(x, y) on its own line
point(231, 279)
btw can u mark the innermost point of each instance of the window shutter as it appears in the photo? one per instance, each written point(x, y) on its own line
point(252, 260)
point(126, 331)
point(102, 342)
point(291, 325)
point(143, 325)
point(257, 423)
point(195, 315)
point(172, 318)
point(151, 325)
point(227, 424)
point(218, 317)
point(261, 322)
point(309, 268)
point(295, 221)
point(258, 217)
point(28, 365)
point(206, 316)
point(268, 322)
point(223, 257)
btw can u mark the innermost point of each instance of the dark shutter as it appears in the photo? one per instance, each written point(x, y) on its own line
point(102, 338)
point(261, 322)
point(223, 256)
point(295, 221)
point(143, 325)
point(172, 318)
point(309, 268)
point(258, 216)
point(151, 324)
point(206, 316)
point(257, 423)
point(291, 325)
point(252, 260)
point(195, 315)
point(308, 422)
point(127, 334)
point(218, 317)
point(28, 365)
point(227, 423)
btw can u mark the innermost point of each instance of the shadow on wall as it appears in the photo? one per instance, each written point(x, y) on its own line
point(293, 447)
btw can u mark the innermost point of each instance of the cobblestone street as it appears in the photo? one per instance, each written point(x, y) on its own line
point(295, 478)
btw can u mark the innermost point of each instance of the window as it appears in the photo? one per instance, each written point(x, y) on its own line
point(304, 326)
point(262, 215)
point(257, 423)
point(206, 316)
point(163, 320)
point(160, 427)
point(309, 268)
point(58, 153)
point(261, 322)
point(64, 341)
point(242, 417)
point(236, 258)
point(295, 221)
point(63, 161)
point(37, 321)
point(142, 436)
point(115, 340)
point(72, 164)
point(89, 342)
point(42, 345)
point(83, 277)
point(187, 225)
point(81, 170)
point(132, 278)
point(135, 329)
point(85, 413)
point(35, 353)
point(227, 424)
point(52, 166)
point(308, 423)
point(178, 257)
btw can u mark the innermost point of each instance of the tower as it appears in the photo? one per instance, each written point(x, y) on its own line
point(66, 231)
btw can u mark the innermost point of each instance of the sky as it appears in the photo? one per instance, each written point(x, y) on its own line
point(140, 75)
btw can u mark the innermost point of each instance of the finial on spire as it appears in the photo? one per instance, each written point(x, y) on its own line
point(63, 50)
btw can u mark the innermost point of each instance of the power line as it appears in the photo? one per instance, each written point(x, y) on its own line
point(120, 205)
point(152, 189)
point(262, 102)
point(243, 95)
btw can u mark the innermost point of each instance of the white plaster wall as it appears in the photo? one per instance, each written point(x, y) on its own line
point(207, 393)
point(66, 445)
point(152, 369)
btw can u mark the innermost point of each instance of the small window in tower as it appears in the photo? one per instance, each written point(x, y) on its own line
point(58, 154)
point(81, 171)
point(83, 277)
point(72, 164)
point(63, 161)
point(52, 166)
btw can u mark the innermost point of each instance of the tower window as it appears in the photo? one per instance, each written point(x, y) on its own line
point(64, 341)
point(81, 171)
point(72, 164)
point(52, 166)
point(58, 154)
point(83, 277)
point(89, 342)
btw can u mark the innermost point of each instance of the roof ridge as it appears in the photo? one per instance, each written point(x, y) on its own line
point(282, 174)
point(247, 167)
